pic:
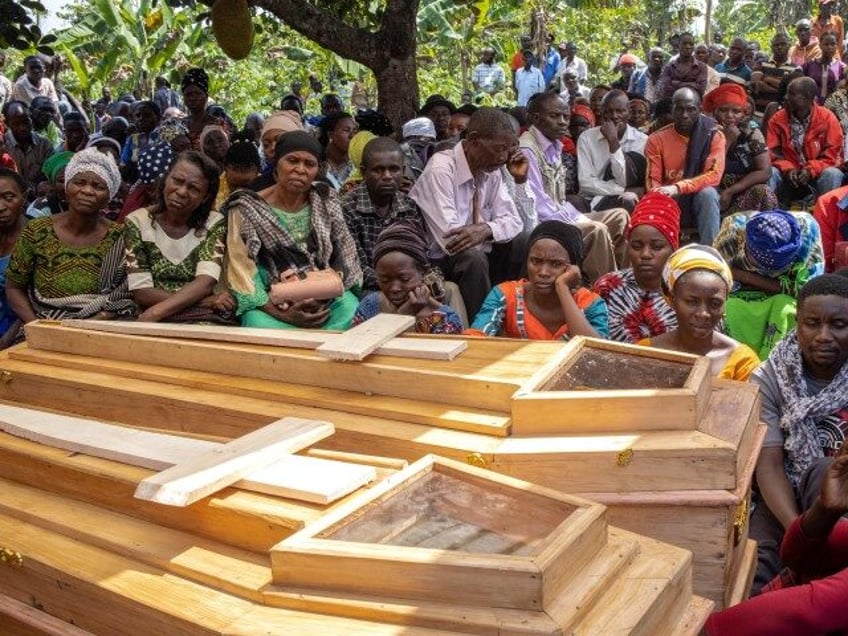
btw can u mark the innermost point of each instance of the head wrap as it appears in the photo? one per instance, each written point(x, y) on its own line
point(727, 93)
point(94, 161)
point(355, 151)
point(692, 257)
point(436, 100)
point(283, 121)
point(639, 100)
point(196, 77)
point(170, 129)
point(295, 141)
point(402, 236)
point(659, 211)
point(207, 130)
point(154, 161)
point(585, 112)
point(54, 163)
point(419, 127)
point(98, 139)
point(563, 233)
point(772, 240)
point(628, 58)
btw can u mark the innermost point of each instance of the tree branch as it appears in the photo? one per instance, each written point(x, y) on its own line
point(327, 30)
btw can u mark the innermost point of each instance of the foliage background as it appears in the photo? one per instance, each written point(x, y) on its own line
point(126, 43)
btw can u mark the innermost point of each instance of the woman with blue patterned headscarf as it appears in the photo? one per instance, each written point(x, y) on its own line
point(772, 255)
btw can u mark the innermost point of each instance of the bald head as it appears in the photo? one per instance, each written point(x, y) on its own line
point(488, 122)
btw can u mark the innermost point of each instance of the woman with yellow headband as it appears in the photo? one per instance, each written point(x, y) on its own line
point(696, 281)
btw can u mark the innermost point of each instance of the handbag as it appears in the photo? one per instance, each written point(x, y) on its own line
point(317, 284)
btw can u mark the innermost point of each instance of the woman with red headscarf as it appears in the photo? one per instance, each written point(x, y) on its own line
point(747, 165)
point(636, 308)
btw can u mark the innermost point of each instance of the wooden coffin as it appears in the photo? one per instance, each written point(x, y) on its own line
point(81, 555)
point(695, 461)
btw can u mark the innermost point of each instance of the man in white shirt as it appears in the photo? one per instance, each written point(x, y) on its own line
point(570, 61)
point(33, 83)
point(528, 80)
point(542, 145)
point(611, 161)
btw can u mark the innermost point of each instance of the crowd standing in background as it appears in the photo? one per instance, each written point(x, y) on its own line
point(695, 203)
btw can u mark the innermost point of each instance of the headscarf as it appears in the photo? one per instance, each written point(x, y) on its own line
point(772, 239)
point(207, 130)
point(628, 58)
point(196, 77)
point(54, 163)
point(691, 257)
point(581, 110)
point(294, 141)
point(402, 236)
point(660, 211)
point(154, 161)
point(170, 129)
point(563, 233)
point(282, 120)
point(94, 161)
point(419, 127)
point(98, 138)
point(727, 93)
point(355, 151)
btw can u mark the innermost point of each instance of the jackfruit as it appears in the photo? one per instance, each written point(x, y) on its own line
point(233, 27)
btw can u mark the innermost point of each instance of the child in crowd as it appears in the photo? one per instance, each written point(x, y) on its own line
point(400, 262)
point(241, 167)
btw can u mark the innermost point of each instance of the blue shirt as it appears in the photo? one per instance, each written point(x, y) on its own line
point(551, 65)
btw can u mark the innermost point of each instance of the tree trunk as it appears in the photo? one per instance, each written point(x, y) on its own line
point(397, 90)
point(708, 23)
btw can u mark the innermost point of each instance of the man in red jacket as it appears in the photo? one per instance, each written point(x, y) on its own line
point(805, 142)
point(831, 213)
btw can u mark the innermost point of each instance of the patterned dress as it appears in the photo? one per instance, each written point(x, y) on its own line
point(155, 260)
point(738, 163)
point(444, 320)
point(633, 313)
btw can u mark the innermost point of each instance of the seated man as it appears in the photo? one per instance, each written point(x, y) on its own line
point(804, 397)
point(611, 158)
point(686, 161)
point(467, 209)
point(805, 141)
point(831, 213)
point(603, 231)
point(377, 202)
point(810, 599)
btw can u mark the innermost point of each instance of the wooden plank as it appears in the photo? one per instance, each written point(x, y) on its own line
point(740, 587)
point(425, 348)
point(20, 619)
point(364, 339)
point(303, 478)
point(463, 382)
point(473, 420)
point(190, 481)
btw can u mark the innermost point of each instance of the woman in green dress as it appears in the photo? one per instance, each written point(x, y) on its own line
point(294, 225)
point(71, 264)
point(175, 248)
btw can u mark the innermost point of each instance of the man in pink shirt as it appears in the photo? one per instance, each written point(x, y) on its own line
point(471, 219)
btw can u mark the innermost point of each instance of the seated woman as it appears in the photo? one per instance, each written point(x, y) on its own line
point(552, 304)
point(815, 548)
point(293, 225)
point(804, 403)
point(400, 263)
point(175, 247)
point(697, 281)
point(771, 254)
point(72, 264)
point(747, 163)
point(636, 307)
point(13, 190)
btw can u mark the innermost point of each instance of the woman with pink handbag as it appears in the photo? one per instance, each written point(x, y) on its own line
point(292, 261)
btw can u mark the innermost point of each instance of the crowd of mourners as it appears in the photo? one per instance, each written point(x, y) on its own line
point(695, 204)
